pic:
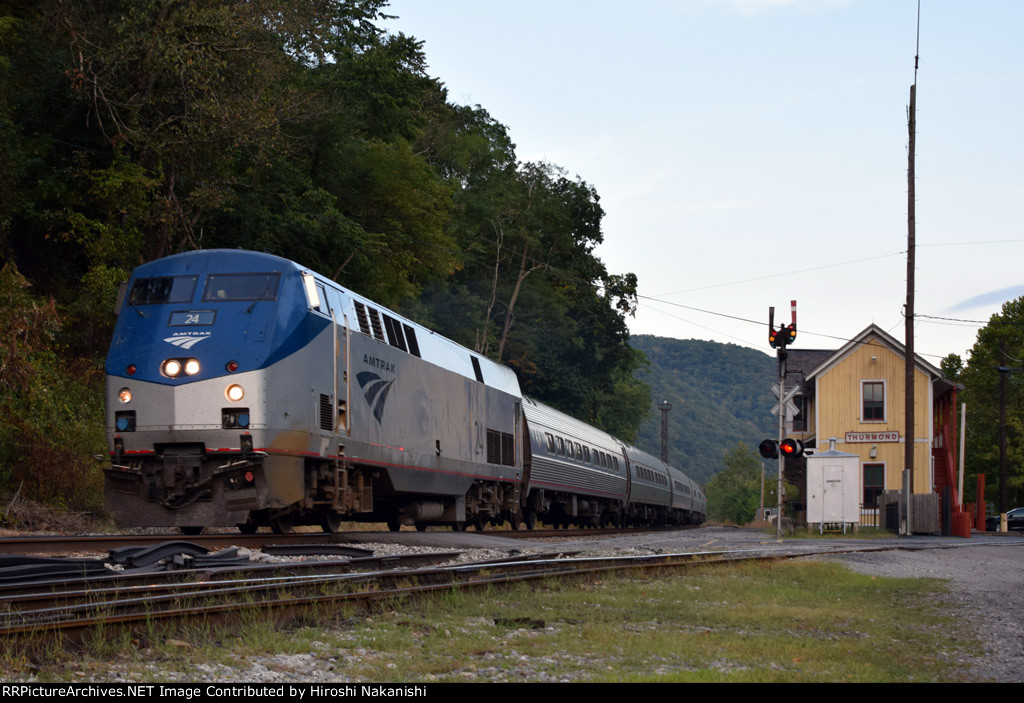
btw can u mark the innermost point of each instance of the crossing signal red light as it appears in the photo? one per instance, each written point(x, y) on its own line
point(769, 449)
point(782, 336)
point(791, 448)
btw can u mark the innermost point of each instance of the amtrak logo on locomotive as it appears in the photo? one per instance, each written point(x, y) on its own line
point(375, 390)
point(186, 340)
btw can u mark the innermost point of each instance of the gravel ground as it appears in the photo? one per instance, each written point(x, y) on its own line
point(986, 587)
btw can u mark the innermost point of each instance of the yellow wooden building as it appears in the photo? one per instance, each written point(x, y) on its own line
point(856, 395)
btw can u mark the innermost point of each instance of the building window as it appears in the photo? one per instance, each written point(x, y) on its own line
point(872, 395)
point(800, 418)
point(874, 484)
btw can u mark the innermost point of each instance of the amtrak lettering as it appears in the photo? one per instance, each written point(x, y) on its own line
point(376, 363)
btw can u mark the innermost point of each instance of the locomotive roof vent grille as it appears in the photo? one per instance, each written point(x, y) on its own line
point(394, 330)
point(410, 338)
point(378, 331)
point(364, 323)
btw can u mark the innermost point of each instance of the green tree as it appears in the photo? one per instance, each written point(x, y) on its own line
point(734, 494)
point(999, 344)
point(136, 129)
point(52, 422)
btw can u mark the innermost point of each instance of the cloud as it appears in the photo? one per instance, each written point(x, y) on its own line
point(996, 297)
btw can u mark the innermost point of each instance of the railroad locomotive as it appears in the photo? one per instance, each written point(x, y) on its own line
point(244, 389)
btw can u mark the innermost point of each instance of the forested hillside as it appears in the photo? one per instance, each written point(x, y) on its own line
point(135, 129)
point(720, 395)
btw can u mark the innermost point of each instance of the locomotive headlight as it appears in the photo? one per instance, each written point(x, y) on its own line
point(124, 395)
point(192, 367)
point(172, 367)
point(234, 392)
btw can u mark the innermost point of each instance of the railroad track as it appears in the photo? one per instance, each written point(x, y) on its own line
point(52, 544)
point(72, 608)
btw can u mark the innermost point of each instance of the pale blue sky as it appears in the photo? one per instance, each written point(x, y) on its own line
point(735, 139)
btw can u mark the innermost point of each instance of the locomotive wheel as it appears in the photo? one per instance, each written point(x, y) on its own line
point(191, 530)
point(479, 524)
point(248, 528)
point(331, 522)
point(394, 525)
point(283, 524)
point(458, 527)
point(421, 527)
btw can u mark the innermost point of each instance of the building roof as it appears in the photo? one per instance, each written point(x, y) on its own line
point(873, 334)
point(801, 362)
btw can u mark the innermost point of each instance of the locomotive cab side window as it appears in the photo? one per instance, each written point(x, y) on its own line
point(227, 287)
point(165, 289)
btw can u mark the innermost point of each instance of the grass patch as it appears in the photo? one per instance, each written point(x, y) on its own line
point(783, 621)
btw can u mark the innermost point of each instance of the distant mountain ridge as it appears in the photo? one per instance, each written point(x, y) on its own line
point(720, 395)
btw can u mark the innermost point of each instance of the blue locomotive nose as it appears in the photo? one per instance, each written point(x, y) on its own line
point(191, 318)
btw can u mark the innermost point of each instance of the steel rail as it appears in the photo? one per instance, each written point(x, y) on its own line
point(42, 544)
point(293, 592)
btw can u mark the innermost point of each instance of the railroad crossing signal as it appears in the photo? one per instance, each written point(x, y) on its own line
point(786, 334)
point(791, 448)
point(787, 401)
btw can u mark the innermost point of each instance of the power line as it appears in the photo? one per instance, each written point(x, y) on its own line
point(974, 322)
point(787, 273)
point(845, 340)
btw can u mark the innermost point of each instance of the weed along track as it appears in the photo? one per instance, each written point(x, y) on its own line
point(73, 606)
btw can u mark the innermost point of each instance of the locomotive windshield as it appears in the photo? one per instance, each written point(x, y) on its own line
point(221, 287)
point(166, 289)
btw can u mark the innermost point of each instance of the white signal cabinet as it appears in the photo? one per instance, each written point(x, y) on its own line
point(833, 490)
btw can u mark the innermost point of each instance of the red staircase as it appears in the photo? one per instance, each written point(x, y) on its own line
point(944, 446)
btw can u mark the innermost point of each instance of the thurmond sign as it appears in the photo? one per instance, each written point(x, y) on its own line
point(852, 437)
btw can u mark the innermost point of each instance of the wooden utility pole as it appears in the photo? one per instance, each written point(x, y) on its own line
point(665, 406)
point(908, 439)
point(1002, 370)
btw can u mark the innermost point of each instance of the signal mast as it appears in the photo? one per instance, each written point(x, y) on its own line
point(783, 447)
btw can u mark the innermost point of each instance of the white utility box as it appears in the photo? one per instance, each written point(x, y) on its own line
point(833, 490)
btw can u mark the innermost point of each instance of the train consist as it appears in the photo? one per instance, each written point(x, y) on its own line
point(243, 389)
